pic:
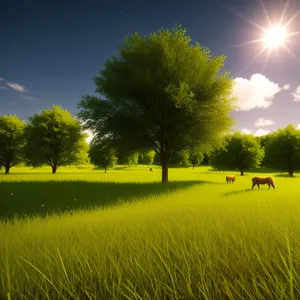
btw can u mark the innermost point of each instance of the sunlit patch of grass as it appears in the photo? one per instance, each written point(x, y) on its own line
point(192, 243)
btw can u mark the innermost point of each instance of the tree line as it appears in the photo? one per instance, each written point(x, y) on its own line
point(279, 150)
point(56, 138)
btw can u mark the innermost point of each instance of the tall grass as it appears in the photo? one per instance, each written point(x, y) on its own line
point(210, 241)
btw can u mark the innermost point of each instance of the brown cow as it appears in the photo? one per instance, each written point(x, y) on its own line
point(151, 170)
point(230, 179)
point(257, 181)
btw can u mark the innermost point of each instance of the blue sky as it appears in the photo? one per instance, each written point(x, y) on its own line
point(51, 50)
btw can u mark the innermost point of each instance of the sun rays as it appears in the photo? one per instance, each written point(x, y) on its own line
point(274, 36)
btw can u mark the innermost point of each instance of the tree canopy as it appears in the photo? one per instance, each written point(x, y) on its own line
point(239, 151)
point(163, 93)
point(55, 138)
point(282, 150)
point(11, 141)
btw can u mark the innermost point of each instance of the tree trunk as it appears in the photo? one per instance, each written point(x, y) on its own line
point(54, 168)
point(242, 173)
point(193, 166)
point(105, 169)
point(165, 172)
point(291, 172)
point(164, 159)
point(7, 167)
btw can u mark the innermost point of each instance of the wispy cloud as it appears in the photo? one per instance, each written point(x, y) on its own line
point(16, 86)
point(256, 92)
point(296, 95)
point(27, 97)
point(263, 122)
point(3, 88)
point(286, 87)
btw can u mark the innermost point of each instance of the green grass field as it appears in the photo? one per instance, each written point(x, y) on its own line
point(124, 235)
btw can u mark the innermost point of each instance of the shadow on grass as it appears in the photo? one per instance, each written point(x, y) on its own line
point(23, 199)
point(285, 175)
point(237, 192)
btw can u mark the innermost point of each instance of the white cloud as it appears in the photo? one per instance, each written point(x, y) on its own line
point(298, 126)
point(260, 132)
point(16, 86)
point(296, 95)
point(259, 92)
point(247, 131)
point(263, 122)
point(286, 87)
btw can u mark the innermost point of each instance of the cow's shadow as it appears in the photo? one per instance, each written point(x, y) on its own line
point(237, 192)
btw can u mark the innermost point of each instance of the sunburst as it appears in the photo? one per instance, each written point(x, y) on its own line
point(273, 36)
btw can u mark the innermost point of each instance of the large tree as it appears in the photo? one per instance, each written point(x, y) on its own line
point(239, 151)
point(11, 141)
point(102, 153)
point(54, 138)
point(282, 150)
point(161, 92)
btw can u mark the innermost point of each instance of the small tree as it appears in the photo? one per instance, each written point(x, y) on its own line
point(206, 159)
point(127, 157)
point(102, 153)
point(162, 92)
point(146, 157)
point(239, 151)
point(11, 141)
point(180, 158)
point(81, 156)
point(195, 157)
point(55, 138)
point(283, 150)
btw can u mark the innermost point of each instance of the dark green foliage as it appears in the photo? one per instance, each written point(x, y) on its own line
point(195, 157)
point(180, 158)
point(146, 157)
point(162, 93)
point(12, 141)
point(205, 160)
point(156, 160)
point(239, 151)
point(283, 150)
point(128, 157)
point(55, 138)
point(102, 153)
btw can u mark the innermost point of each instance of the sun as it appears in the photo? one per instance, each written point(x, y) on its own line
point(274, 37)
point(277, 35)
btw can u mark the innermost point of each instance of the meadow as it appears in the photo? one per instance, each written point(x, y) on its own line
point(83, 234)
